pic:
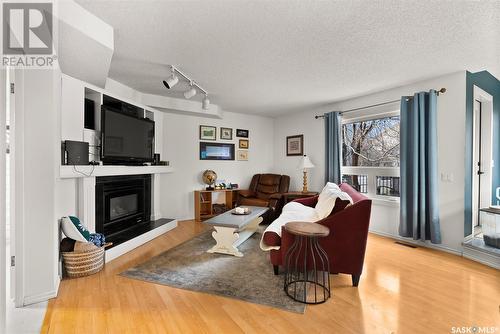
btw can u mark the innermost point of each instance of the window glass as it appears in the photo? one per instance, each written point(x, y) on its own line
point(358, 182)
point(371, 143)
point(388, 186)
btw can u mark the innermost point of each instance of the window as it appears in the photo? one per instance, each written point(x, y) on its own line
point(370, 155)
point(388, 186)
point(358, 182)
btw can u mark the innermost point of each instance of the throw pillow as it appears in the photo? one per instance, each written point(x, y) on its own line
point(74, 229)
point(327, 200)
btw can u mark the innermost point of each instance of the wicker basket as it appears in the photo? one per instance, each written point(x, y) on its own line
point(79, 264)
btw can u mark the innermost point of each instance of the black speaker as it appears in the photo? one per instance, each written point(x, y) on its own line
point(89, 117)
point(157, 158)
point(76, 152)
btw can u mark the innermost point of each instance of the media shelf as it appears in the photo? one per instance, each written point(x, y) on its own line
point(204, 201)
point(70, 172)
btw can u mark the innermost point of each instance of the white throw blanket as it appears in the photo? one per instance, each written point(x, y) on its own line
point(295, 211)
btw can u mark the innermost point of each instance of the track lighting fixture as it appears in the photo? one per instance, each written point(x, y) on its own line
point(173, 79)
point(205, 103)
point(190, 92)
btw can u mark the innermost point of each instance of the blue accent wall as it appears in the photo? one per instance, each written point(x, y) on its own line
point(491, 85)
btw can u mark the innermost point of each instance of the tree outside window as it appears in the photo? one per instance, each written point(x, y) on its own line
point(372, 143)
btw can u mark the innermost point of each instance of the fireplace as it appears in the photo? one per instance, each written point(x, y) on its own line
point(123, 206)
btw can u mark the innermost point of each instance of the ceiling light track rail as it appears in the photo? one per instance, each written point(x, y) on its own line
point(173, 79)
point(191, 81)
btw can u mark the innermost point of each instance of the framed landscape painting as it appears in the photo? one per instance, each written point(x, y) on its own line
point(216, 151)
point(295, 145)
point(208, 132)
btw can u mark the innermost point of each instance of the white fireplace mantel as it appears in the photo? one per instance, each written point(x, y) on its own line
point(70, 172)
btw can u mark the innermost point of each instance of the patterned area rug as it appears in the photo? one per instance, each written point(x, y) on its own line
point(188, 266)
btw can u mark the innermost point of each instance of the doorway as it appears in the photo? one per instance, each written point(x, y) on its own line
point(483, 157)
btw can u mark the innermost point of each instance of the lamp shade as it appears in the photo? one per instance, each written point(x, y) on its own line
point(305, 163)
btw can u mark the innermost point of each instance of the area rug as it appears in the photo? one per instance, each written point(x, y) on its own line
point(188, 266)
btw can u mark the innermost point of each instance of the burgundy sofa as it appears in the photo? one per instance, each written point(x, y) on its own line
point(346, 244)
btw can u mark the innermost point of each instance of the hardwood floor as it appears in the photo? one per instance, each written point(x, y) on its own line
point(402, 290)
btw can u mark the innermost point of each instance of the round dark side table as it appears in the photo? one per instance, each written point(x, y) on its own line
point(307, 269)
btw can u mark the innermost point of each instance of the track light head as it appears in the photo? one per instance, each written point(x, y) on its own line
point(171, 81)
point(190, 92)
point(205, 103)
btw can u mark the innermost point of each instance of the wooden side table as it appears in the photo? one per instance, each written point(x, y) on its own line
point(204, 204)
point(307, 269)
point(290, 196)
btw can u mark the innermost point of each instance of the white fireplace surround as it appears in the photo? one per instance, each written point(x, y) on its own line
point(86, 192)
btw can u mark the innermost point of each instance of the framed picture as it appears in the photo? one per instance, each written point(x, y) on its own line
point(241, 133)
point(208, 132)
point(216, 151)
point(226, 133)
point(243, 143)
point(242, 155)
point(295, 145)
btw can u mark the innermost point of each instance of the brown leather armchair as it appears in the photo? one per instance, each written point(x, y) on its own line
point(266, 190)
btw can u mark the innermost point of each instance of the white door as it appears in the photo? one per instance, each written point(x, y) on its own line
point(14, 199)
point(3, 198)
point(482, 155)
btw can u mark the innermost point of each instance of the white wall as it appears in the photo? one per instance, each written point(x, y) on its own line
point(451, 156)
point(181, 148)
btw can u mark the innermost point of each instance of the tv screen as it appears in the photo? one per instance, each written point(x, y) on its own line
point(126, 138)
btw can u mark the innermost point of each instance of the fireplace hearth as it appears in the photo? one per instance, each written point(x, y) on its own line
point(123, 206)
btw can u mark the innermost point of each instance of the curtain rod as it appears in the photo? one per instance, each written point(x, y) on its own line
point(441, 91)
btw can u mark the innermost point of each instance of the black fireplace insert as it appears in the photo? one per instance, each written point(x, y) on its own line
point(123, 206)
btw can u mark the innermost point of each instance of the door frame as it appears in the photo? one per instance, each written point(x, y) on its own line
point(485, 195)
point(3, 199)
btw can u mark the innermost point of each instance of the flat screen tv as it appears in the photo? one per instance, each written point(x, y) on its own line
point(126, 139)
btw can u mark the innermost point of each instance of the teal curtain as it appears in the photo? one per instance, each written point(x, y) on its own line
point(333, 147)
point(419, 209)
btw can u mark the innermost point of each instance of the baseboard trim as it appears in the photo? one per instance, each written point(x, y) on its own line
point(42, 297)
point(127, 246)
point(418, 243)
point(481, 257)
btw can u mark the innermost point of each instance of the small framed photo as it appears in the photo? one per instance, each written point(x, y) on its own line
point(241, 133)
point(226, 133)
point(295, 145)
point(208, 132)
point(243, 143)
point(242, 155)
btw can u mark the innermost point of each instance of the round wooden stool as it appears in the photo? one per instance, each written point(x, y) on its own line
point(307, 269)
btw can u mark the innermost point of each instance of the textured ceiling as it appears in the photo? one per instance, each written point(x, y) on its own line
point(275, 57)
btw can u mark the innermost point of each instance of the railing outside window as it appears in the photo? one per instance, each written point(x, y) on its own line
point(374, 181)
point(388, 186)
point(358, 182)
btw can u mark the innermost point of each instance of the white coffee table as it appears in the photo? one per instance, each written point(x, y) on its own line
point(232, 230)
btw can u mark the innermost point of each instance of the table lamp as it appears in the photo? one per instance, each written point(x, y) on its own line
point(305, 164)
